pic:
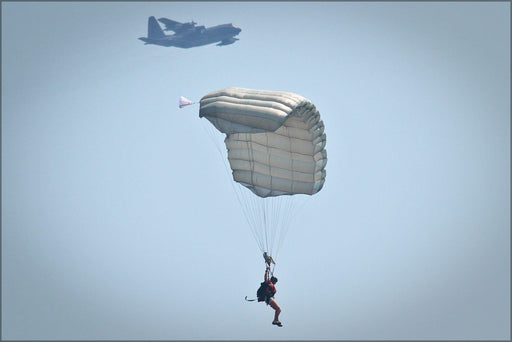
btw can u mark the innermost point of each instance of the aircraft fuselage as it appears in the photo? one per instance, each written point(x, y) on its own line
point(225, 34)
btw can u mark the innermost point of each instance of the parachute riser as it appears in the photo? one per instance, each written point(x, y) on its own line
point(269, 261)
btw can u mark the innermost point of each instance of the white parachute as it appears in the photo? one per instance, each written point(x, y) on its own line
point(276, 148)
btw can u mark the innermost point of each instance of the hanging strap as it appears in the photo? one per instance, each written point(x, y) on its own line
point(270, 262)
point(268, 259)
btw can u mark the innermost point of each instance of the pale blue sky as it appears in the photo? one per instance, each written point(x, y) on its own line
point(119, 220)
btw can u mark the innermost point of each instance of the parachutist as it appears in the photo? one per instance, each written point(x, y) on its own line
point(268, 295)
point(272, 137)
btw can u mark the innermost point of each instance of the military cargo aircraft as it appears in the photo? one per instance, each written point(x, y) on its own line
point(187, 35)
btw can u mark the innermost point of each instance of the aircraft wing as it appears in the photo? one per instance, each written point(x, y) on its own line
point(169, 24)
point(176, 26)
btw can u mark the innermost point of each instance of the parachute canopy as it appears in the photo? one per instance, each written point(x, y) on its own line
point(184, 102)
point(275, 139)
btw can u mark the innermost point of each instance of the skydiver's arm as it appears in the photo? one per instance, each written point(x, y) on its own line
point(266, 274)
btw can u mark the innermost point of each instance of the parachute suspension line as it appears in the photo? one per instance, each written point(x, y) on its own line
point(257, 216)
point(286, 220)
point(293, 208)
point(270, 218)
point(238, 191)
point(273, 208)
point(291, 211)
point(248, 203)
point(265, 224)
point(243, 200)
point(279, 214)
point(278, 219)
point(287, 207)
point(268, 223)
point(260, 220)
point(275, 215)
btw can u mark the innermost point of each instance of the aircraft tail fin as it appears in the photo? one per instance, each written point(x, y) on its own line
point(154, 29)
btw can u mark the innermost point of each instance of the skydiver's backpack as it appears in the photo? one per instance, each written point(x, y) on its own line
point(262, 292)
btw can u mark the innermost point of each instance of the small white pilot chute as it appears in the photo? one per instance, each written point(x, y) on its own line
point(185, 102)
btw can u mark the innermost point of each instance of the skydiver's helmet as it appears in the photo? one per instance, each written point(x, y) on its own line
point(273, 280)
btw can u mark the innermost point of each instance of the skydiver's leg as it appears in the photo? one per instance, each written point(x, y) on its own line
point(276, 307)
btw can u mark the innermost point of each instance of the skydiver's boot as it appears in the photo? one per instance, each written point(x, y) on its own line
point(277, 323)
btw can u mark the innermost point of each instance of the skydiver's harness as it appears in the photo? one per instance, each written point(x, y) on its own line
point(264, 292)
